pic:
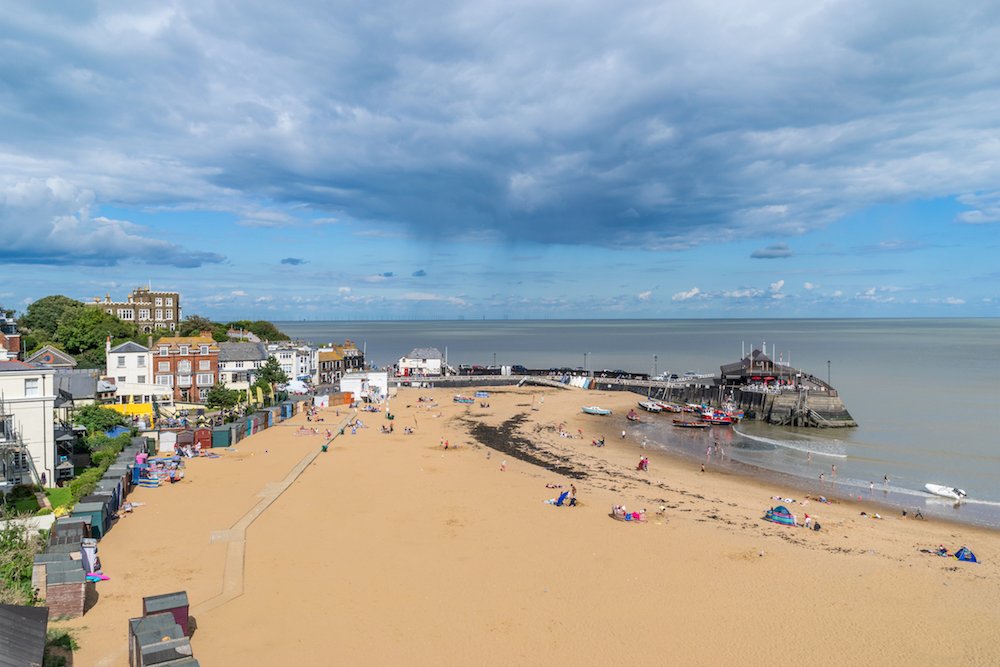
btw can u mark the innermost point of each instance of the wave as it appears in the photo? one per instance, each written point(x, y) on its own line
point(835, 449)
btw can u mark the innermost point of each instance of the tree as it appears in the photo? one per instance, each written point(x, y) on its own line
point(97, 419)
point(44, 315)
point(261, 328)
point(221, 397)
point(270, 373)
point(19, 542)
point(192, 325)
point(86, 328)
point(6, 312)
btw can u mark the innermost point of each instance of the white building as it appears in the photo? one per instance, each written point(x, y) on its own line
point(240, 363)
point(297, 361)
point(27, 439)
point(130, 367)
point(421, 361)
point(366, 386)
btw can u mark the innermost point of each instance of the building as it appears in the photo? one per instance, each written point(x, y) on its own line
point(370, 386)
point(10, 339)
point(187, 364)
point(240, 363)
point(149, 310)
point(334, 361)
point(129, 367)
point(297, 361)
point(27, 440)
point(421, 361)
point(52, 357)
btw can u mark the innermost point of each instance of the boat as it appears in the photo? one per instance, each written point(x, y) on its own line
point(683, 423)
point(458, 398)
point(632, 416)
point(668, 406)
point(945, 491)
point(595, 410)
point(650, 406)
point(716, 418)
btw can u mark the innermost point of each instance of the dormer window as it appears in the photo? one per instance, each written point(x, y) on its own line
point(164, 351)
point(184, 350)
point(204, 349)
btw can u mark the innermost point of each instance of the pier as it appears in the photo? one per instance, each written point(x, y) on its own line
point(763, 389)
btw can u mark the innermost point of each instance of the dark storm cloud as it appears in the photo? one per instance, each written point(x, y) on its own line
point(660, 124)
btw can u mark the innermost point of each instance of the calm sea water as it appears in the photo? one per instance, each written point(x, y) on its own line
point(925, 392)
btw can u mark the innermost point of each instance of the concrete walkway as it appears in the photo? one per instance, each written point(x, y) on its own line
point(233, 576)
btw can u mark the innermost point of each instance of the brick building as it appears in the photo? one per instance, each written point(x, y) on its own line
point(188, 364)
point(149, 310)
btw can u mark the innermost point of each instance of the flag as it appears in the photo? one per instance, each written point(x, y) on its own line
point(260, 395)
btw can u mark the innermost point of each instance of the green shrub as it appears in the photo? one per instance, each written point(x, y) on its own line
point(45, 511)
point(61, 639)
point(22, 491)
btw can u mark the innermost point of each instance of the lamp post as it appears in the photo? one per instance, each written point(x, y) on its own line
point(585, 355)
point(654, 365)
point(494, 360)
point(827, 372)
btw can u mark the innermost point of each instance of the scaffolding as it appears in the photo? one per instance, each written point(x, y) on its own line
point(16, 463)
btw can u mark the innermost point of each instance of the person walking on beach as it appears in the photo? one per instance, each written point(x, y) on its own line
point(821, 477)
point(885, 481)
point(503, 466)
point(833, 469)
point(623, 434)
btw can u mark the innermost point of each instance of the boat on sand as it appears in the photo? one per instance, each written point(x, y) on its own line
point(650, 406)
point(945, 491)
point(595, 410)
point(682, 423)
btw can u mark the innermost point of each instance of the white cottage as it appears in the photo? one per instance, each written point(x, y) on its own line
point(366, 386)
point(420, 362)
point(27, 438)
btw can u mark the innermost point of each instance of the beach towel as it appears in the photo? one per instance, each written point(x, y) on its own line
point(562, 498)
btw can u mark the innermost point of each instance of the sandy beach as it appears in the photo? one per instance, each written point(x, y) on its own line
point(389, 549)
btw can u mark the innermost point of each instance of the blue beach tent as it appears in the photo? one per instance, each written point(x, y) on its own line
point(966, 555)
point(562, 498)
point(780, 514)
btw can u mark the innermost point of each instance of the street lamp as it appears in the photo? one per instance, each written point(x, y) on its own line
point(827, 372)
point(585, 354)
point(654, 365)
point(494, 360)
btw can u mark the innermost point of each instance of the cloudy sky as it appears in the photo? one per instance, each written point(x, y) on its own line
point(504, 159)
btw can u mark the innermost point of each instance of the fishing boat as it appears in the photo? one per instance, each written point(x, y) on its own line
point(716, 418)
point(650, 406)
point(945, 491)
point(683, 423)
point(632, 416)
point(668, 406)
point(595, 410)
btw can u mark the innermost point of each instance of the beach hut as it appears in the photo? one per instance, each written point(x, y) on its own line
point(151, 629)
point(66, 590)
point(203, 437)
point(781, 515)
point(287, 410)
point(222, 435)
point(24, 643)
point(185, 438)
point(174, 603)
point(167, 441)
point(262, 417)
point(99, 515)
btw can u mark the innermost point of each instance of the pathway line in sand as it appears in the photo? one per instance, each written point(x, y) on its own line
point(233, 574)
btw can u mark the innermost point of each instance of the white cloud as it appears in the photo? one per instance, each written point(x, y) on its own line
point(343, 290)
point(776, 286)
point(954, 301)
point(685, 296)
point(238, 292)
point(809, 286)
point(644, 296)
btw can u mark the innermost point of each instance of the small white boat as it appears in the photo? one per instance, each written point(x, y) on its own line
point(650, 406)
point(945, 491)
point(595, 410)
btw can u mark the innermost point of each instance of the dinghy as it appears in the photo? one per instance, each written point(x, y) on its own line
point(945, 491)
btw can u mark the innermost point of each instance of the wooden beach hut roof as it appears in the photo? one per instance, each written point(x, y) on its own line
point(22, 634)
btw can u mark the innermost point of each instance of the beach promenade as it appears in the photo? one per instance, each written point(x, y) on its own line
point(390, 550)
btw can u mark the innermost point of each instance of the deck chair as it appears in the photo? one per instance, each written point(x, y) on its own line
point(562, 499)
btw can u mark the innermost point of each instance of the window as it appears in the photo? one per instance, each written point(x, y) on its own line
point(141, 379)
point(170, 314)
point(144, 313)
point(185, 350)
point(203, 393)
point(170, 301)
point(159, 301)
point(164, 351)
point(206, 379)
point(159, 314)
point(32, 387)
point(165, 380)
point(203, 349)
point(172, 326)
point(126, 314)
point(204, 365)
point(239, 364)
point(121, 361)
point(163, 366)
point(141, 362)
point(121, 378)
point(183, 380)
point(184, 366)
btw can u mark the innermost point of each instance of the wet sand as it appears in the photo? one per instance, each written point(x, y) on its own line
point(389, 549)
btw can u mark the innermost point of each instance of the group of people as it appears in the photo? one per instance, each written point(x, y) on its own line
point(643, 464)
point(620, 512)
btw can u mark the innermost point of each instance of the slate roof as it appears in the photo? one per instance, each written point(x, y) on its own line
point(22, 635)
point(79, 383)
point(425, 353)
point(15, 366)
point(242, 352)
point(129, 347)
point(51, 356)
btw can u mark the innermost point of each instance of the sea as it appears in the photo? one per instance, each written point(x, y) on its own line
point(925, 393)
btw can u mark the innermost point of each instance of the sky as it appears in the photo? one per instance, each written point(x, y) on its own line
point(542, 159)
